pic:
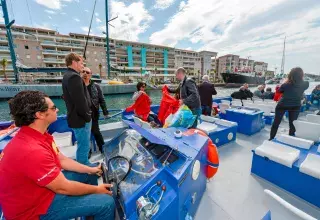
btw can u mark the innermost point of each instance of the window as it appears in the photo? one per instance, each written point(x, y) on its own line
point(37, 47)
point(26, 47)
point(96, 60)
point(28, 56)
point(88, 52)
point(39, 57)
point(95, 52)
point(104, 67)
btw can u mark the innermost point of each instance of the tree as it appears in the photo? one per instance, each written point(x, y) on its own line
point(141, 72)
point(4, 63)
point(100, 67)
point(155, 70)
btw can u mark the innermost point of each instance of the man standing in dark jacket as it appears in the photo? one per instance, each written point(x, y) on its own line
point(78, 104)
point(189, 94)
point(97, 100)
point(206, 91)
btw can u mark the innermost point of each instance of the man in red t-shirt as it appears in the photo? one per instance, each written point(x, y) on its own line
point(32, 183)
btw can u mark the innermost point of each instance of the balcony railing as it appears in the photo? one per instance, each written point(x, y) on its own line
point(52, 60)
point(61, 44)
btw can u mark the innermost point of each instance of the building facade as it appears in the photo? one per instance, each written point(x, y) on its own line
point(228, 64)
point(36, 47)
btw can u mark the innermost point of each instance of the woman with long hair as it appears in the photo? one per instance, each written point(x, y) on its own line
point(292, 93)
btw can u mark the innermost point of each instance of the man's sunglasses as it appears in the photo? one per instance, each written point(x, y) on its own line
point(87, 72)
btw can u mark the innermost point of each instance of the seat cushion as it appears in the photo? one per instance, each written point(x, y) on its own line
point(295, 141)
point(313, 118)
point(62, 139)
point(279, 153)
point(207, 127)
point(311, 166)
point(307, 130)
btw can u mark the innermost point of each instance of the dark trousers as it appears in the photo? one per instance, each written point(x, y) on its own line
point(206, 110)
point(293, 115)
point(97, 134)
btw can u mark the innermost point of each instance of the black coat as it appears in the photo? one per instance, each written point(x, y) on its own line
point(206, 91)
point(188, 93)
point(242, 94)
point(77, 99)
point(97, 100)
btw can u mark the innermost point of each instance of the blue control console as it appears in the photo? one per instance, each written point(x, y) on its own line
point(157, 174)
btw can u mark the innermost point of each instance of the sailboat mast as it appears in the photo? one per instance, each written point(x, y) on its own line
point(283, 56)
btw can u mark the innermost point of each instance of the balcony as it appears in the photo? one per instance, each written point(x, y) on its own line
point(56, 52)
point(52, 60)
point(60, 44)
point(4, 48)
point(3, 39)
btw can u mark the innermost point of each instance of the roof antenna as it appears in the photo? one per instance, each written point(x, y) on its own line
point(85, 47)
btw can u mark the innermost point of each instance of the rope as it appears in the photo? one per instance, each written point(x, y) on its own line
point(12, 12)
point(29, 13)
point(85, 47)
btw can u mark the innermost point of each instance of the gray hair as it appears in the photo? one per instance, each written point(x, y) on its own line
point(205, 78)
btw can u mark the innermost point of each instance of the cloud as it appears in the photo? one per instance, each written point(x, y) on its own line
point(182, 4)
point(163, 4)
point(247, 28)
point(76, 19)
point(86, 10)
point(133, 19)
point(85, 29)
point(63, 13)
point(50, 12)
point(53, 4)
point(98, 20)
point(50, 17)
point(96, 14)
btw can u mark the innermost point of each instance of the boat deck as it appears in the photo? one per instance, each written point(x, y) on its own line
point(234, 193)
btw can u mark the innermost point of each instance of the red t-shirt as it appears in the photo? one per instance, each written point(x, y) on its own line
point(27, 164)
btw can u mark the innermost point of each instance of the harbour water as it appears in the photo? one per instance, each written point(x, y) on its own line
point(121, 101)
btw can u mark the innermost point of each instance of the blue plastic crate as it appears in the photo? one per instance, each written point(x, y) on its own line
point(248, 123)
point(219, 99)
point(289, 179)
point(268, 120)
point(223, 135)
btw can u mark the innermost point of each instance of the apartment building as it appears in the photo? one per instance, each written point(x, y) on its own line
point(246, 65)
point(36, 47)
point(260, 67)
point(190, 60)
point(208, 62)
point(227, 63)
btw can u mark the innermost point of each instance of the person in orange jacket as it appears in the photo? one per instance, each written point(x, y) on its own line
point(141, 105)
point(277, 96)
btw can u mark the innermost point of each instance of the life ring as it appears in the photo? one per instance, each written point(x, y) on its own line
point(212, 156)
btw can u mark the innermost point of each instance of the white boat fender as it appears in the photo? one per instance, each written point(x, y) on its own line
point(178, 134)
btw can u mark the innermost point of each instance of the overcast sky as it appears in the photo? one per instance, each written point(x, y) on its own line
point(242, 27)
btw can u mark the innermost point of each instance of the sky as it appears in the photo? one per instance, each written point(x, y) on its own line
point(248, 28)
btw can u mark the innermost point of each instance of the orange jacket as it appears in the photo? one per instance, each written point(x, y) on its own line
point(141, 105)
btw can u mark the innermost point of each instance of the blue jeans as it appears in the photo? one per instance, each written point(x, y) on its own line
point(83, 143)
point(197, 112)
point(100, 206)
